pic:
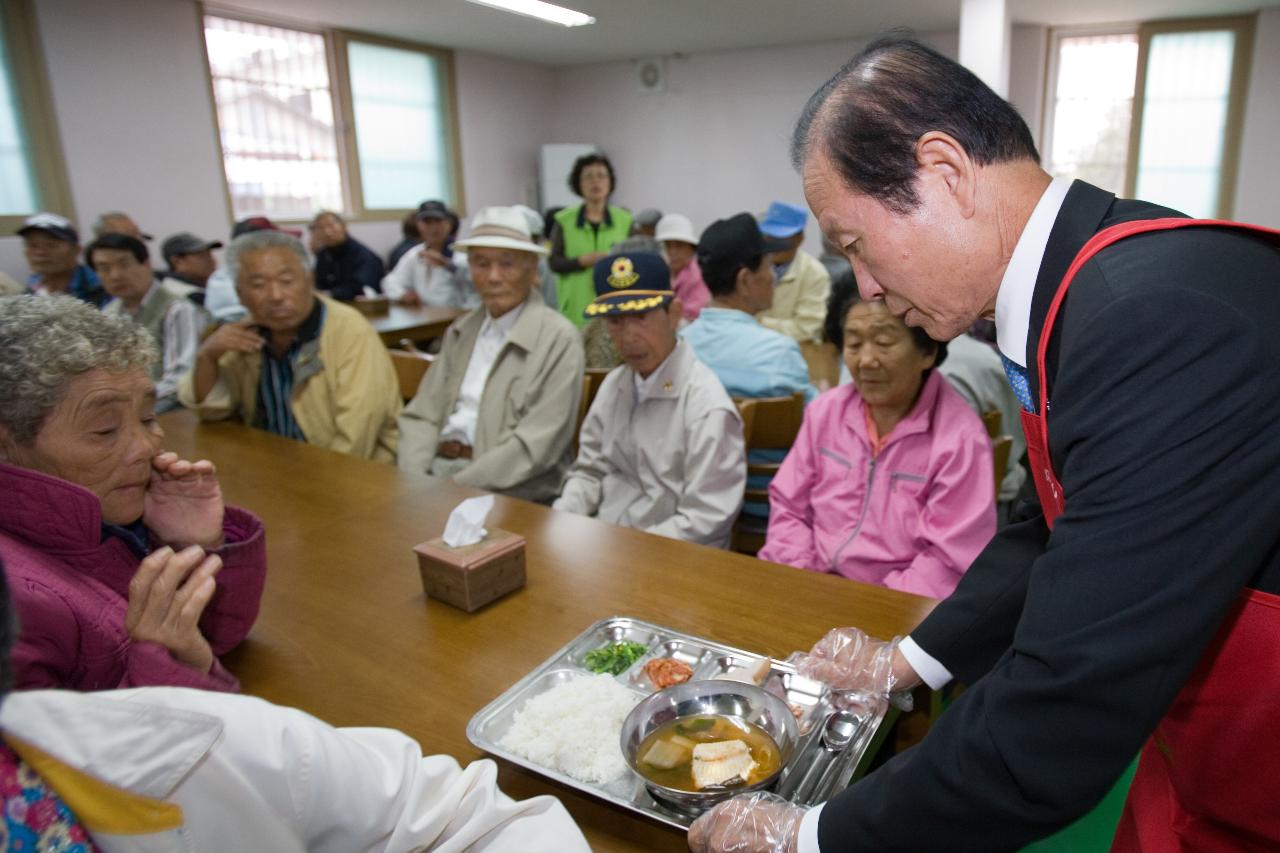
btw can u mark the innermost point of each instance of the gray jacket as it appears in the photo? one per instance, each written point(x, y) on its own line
point(527, 412)
point(673, 463)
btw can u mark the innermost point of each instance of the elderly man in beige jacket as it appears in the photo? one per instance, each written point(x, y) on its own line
point(497, 408)
point(300, 365)
point(661, 449)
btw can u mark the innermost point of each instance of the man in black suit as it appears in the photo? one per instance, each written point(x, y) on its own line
point(1150, 612)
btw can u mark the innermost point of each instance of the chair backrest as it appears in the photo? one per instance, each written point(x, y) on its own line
point(747, 409)
point(994, 422)
point(823, 360)
point(1001, 447)
point(776, 420)
point(769, 423)
point(410, 368)
point(592, 378)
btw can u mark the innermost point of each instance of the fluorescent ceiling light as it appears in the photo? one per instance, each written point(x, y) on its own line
point(542, 11)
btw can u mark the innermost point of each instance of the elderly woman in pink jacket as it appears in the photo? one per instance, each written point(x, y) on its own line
point(126, 568)
point(890, 480)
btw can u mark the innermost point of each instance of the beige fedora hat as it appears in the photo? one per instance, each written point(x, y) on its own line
point(500, 228)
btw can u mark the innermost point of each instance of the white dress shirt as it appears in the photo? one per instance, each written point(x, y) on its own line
point(461, 423)
point(435, 286)
point(1013, 320)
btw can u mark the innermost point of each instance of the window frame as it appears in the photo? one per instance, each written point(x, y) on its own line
point(1233, 131)
point(31, 89)
point(350, 181)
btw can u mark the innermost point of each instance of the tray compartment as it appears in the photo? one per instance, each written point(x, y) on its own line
point(607, 632)
point(692, 654)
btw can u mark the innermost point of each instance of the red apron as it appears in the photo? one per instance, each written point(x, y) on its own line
point(1208, 779)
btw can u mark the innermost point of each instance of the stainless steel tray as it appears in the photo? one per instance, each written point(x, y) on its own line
point(708, 659)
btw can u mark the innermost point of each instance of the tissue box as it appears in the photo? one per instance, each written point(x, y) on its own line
point(473, 575)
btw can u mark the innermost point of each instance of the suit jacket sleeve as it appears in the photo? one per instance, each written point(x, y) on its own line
point(1155, 429)
point(544, 430)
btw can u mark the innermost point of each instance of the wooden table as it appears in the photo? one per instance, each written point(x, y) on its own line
point(346, 633)
point(418, 323)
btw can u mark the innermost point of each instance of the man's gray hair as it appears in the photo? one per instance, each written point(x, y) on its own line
point(47, 341)
point(102, 223)
point(256, 241)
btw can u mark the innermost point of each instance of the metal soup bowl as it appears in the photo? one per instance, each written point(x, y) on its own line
point(707, 698)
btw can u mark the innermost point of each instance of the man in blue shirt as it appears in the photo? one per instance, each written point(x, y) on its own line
point(750, 360)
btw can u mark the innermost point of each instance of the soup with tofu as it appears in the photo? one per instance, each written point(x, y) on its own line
point(708, 752)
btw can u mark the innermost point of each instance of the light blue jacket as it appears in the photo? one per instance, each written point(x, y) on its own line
point(750, 360)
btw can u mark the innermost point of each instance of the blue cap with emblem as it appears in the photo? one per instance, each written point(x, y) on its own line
point(629, 283)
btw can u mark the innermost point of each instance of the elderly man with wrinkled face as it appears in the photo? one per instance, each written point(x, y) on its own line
point(300, 365)
point(496, 411)
point(1136, 609)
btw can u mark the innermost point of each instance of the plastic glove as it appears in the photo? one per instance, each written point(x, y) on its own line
point(760, 822)
point(848, 660)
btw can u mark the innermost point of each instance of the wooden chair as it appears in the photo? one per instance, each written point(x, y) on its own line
point(994, 422)
point(1001, 448)
point(592, 378)
point(768, 423)
point(410, 368)
point(823, 360)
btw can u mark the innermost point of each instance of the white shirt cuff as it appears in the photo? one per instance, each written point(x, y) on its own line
point(808, 840)
point(926, 665)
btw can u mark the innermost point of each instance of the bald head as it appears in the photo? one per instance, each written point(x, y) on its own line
point(867, 119)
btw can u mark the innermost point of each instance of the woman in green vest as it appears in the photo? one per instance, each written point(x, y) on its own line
point(583, 234)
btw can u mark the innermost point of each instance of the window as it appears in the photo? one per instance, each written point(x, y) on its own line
point(1087, 128)
point(1153, 111)
point(400, 136)
point(1189, 119)
point(312, 121)
point(275, 118)
point(32, 177)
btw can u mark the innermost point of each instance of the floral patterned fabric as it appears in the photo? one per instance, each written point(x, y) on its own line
point(35, 818)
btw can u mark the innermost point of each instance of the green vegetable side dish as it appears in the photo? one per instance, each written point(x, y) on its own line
point(614, 658)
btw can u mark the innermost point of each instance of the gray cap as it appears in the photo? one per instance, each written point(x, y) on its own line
point(186, 243)
point(648, 216)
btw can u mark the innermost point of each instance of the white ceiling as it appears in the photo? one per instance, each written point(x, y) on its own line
point(630, 29)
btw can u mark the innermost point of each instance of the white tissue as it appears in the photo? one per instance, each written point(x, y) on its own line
point(466, 523)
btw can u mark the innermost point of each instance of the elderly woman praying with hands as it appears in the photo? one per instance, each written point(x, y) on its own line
point(126, 568)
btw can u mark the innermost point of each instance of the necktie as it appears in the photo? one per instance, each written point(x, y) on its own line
point(1018, 379)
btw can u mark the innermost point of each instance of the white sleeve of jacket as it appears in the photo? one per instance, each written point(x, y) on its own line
point(364, 789)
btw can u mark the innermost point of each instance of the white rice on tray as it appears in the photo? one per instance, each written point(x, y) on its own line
point(574, 728)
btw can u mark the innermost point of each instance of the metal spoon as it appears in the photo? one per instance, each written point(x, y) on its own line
point(842, 729)
point(837, 733)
